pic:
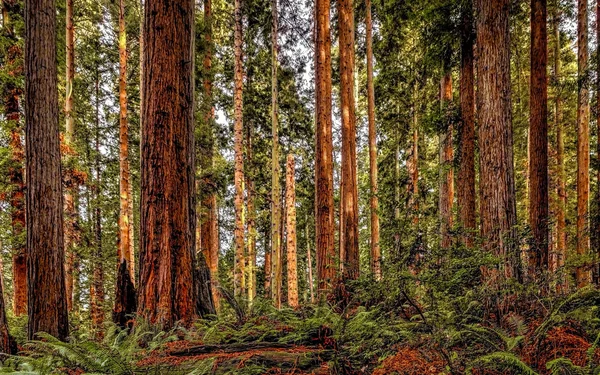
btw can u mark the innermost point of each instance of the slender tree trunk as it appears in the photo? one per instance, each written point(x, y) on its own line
point(276, 263)
point(413, 172)
point(167, 278)
point(268, 263)
point(465, 182)
point(239, 156)
point(69, 132)
point(597, 254)
point(209, 229)
point(290, 201)
point(251, 282)
point(446, 167)
point(583, 143)
point(538, 141)
point(309, 262)
point(375, 249)
point(498, 206)
point(47, 307)
point(125, 303)
point(7, 344)
point(349, 258)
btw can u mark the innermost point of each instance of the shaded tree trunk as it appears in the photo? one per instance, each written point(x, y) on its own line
point(349, 256)
point(268, 263)
point(498, 206)
point(166, 277)
point(446, 198)
point(309, 262)
point(374, 201)
point(583, 143)
point(465, 182)
point(125, 303)
point(290, 214)
point(47, 307)
point(538, 141)
point(239, 267)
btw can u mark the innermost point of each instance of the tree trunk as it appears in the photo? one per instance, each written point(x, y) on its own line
point(498, 207)
point(538, 141)
point(375, 249)
point(597, 254)
point(349, 256)
point(47, 307)
point(125, 305)
point(209, 229)
point(251, 282)
point(465, 182)
point(276, 264)
point(583, 143)
point(446, 198)
point(309, 262)
point(290, 214)
point(268, 263)
point(166, 277)
point(238, 273)
point(97, 287)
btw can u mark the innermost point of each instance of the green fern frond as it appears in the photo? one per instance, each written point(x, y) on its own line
point(501, 361)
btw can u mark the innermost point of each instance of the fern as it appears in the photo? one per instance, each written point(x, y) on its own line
point(501, 361)
point(564, 366)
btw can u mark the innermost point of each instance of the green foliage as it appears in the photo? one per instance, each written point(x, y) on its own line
point(501, 361)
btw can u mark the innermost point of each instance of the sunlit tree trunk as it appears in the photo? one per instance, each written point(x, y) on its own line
point(498, 206)
point(290, 214)
point(239, 266)
point(465, 181)
point(47, 305)
point(349, 255)
point(446, 166)
point(583, 143)
point(167, 248)
point(125, 303)
point(251, 253)
point(268, 263)
point(538, 141)
point(375, 248)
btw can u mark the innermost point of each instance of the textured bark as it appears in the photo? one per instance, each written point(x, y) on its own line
point(374, 201)
point(324, 152)
point(250, 194)
point(538, 141)
point(276, 262)
point(310, 278)
point(446, 182)
point(47, 307)
point(70, 215)
point(125, 303)
point(209, 228)
point(205, 302)
point(7, 344)
point(349, 255)
point(498, 207)
point(239, 268)
point(465, 181)
point(267, 286)
point(583, 143)
point(290, 214)
point(166, 277)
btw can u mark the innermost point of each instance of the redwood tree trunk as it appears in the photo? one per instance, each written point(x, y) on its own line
point(583, 143)
point(465, 182)
point(309, 262)
point(251, 253)
point(47, 302)
point(446, 167)
point(290, 214)
point(125, 305)
point(324, 152)
point(375, 248)
point(97, 287)
point(166, 280)
point(349, 256)
point(498, 207)
point(538, 141)
point(239, 268)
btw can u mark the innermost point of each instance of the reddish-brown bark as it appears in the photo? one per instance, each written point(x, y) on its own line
point(167, 283)
point(324, 152)
point(47, 307)
point(446, 158)
point(290, 214)
point(498, 206)
point(538, 141)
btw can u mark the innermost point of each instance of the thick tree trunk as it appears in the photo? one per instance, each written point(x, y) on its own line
point(290, 214)
point(498, 207)
point(349, 255)
point(166, 288)
point(375, 248)
point(11, 96)
point(47, 307)
point(538, 141)
point(125, 305)
point(446, 198)
point(465, 182)
point(239, 268)
point(583, 143)
point(276, 262)
point(209, 228)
